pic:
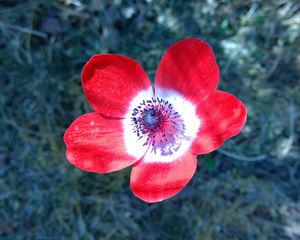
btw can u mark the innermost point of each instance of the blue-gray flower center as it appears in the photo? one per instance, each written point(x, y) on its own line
point(157, 123)
point(152, 118)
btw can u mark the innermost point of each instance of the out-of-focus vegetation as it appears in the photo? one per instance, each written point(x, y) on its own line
point(249, 189)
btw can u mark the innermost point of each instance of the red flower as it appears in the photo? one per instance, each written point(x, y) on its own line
point(159, 131)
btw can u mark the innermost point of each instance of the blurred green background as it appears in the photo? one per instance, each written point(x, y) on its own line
point(248, 189)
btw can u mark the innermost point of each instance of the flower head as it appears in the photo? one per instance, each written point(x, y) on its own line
point(158, 131)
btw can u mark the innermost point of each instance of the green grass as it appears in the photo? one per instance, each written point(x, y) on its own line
point(249, 189)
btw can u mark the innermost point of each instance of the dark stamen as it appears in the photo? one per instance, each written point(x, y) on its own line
point(156, 123)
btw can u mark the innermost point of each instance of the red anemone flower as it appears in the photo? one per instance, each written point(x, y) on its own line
point(159, 131)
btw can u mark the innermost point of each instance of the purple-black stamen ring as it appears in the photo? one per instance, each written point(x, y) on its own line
point(156, 120)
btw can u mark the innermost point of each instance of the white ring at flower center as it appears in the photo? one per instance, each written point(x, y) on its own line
point(180, 143)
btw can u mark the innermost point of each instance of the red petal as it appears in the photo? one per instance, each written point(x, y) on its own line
point(157, 181)
point(96, 144)
point(190, 68)
point(110, 81)
point(222, 116)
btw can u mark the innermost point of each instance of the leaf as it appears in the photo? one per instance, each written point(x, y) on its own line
point(210, 163)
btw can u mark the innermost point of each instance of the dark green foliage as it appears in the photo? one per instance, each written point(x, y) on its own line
point(249, 189)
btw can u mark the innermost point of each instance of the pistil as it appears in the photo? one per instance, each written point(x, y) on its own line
point(155, 122)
